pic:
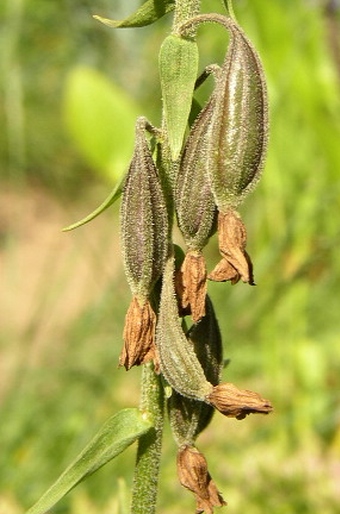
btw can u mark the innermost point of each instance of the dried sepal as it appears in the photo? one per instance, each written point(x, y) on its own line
point(232, 240)
point(194, 283)
point(144, 219)
point(223, 272)
point(178, 361)
point(194, 202)
point(139, 334)
point(193, 474)
point(237, 403)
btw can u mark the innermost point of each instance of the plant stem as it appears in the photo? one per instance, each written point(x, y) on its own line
point(145, 483)
point(184, 10)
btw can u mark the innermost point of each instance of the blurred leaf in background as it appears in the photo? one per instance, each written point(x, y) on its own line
point(64, 296)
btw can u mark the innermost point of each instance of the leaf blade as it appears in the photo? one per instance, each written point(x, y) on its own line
point(148, 13)
point(110, 200)
point(119, 432)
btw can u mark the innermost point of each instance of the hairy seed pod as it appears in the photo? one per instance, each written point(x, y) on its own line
point(188, 418)
point(144, 220)
point(194, 202)
point(178, 361)
point(239, 127)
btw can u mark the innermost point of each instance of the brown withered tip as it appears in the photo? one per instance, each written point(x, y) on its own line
point(223, 272)
point(232, 240)
point(138, 335)
point(194, 283)
point(193, 474)
point(237, 403)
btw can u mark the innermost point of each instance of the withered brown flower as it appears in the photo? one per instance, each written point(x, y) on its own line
point(237, 403)
point(193, 474)
point(139, 334)
point(232, 239)
point(194, 281)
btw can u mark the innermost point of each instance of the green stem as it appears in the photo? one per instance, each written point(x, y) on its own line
point(184, 10)
point(145, 483)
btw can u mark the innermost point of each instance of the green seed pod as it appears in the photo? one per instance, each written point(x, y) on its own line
point(239, 127)
point(194, 201)
point(178, 65)
point(188, 418)
point(178, 360)
point(144, 219)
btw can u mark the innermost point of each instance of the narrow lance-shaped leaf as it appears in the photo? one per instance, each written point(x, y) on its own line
point(178, 65)
point(110, 200)
point(114, 437)
point(148, 13)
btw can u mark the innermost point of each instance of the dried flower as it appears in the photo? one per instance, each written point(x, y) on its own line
point(232, 238)
point(139, 334)
point(237, 403)
point(194, 281)
point(194, 475)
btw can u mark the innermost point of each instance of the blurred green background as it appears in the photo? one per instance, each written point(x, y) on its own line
point(70, 92)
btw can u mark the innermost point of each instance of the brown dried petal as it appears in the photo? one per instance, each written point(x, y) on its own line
point(139, 335)
point(223, 272)
point(232, 238)
point(237, 403)
point(194, 280)
point(194, 475)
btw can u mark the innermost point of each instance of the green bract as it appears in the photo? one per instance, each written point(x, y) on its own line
point(149, 12)
point(178, 65)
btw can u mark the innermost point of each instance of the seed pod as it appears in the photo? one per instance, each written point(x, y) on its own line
point(178, 361)
point(194, 202)
point(188, 418)
point(239, 127)
point(144, 220)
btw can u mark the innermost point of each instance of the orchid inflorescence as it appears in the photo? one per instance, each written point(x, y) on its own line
point(202, 180)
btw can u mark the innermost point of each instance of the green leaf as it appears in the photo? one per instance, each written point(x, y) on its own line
point(178, 65)
point(100, 118)
point(113, 196)
point(149, 12)
point(114, 437)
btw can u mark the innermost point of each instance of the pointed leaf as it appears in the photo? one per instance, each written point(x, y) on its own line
point(149, 12)
point(115, 436)
point(178, 65)
point(113, 196)
point(100, 117)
